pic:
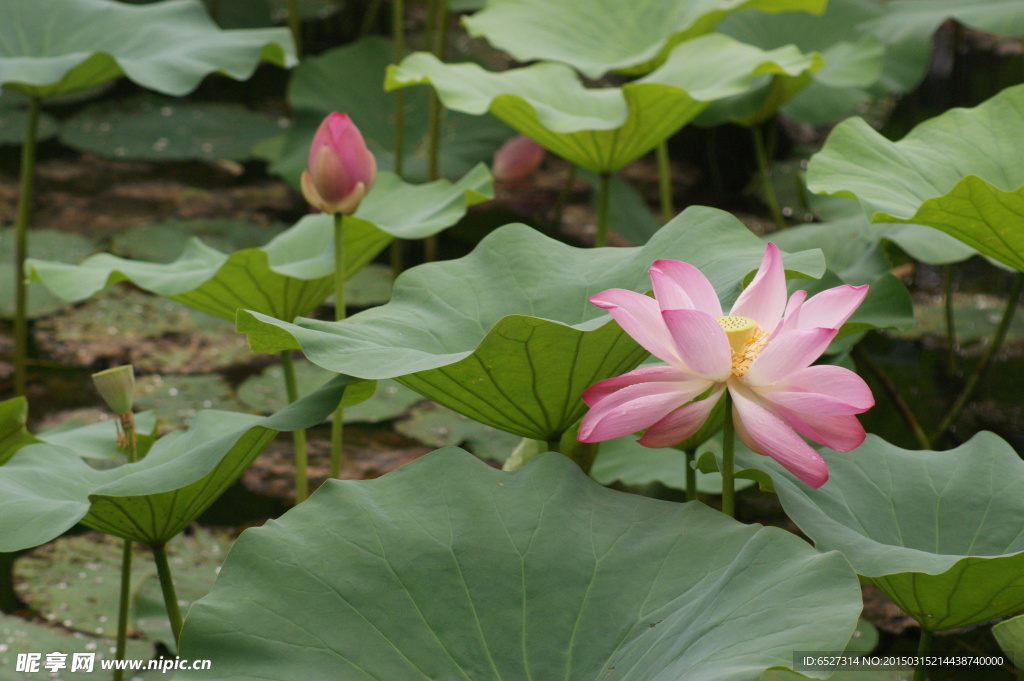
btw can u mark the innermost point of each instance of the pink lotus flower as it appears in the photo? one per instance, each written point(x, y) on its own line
point(761, 352)
point(341, 169)
point(517, 159)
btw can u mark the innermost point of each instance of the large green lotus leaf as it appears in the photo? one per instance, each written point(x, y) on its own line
point(603, 129)
point(350, 79)
point(958, 172)
point(450, 569)
point(505, 335)
point(938, 532)
point(1010, 635)
point(45, 489)
point(292, 274)
point(160, 129)
point(917, 20)
point(53, 47)
point(853, 62)
point(608, 35)
point(94, 441)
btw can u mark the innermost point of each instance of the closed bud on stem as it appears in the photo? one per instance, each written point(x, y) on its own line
point(341, 169)
point(117, 388)
point(517, 159)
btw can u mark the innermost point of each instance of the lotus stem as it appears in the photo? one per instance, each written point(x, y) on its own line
point(863, 357)
point(337, 425)
point(924, 646)
point(765, 175)
point(563, 197)
point(691, 476)
point(298, 436)
point(947, 292)
point(127, 421)
point(163, 570)
point(603, 194)
point(728, 461)
point(438, 37)
point(986, 360)
point(295, 26)
point(398, 38)
point(665, 182)
point(27, 185)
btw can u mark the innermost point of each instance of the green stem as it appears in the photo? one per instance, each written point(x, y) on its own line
point(986, 360)
point(665, 182)
point(27, 185)
point(295, 26)
point(131, 446)
point(563, 197)
point(728, 461)
point(691, 477)
point(864, 358)
point(947, 292)
point(765, 175)
point(337, 425)
point(298, 436)
point(398, 53)
point(603, 194)
point(924, 646)
point(438, 41)
point(163, 569)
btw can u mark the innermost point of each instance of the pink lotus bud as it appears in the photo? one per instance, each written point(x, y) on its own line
point(517, 159)
point(341, 169)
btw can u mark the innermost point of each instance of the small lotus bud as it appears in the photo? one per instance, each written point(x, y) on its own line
point(517, 159)
point(341, 169)
point(117, 388)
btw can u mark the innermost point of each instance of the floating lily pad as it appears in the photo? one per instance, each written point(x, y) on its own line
point(179, 398)
point(47, 490)
point(506, 335)
point(157, 129)
point(54, 47)
point(165, 241)
point(959, 172)
point(292, 274)
point(455, 569)
point(436, 426)
point(350, 79)
point(74, 582)
point(604, 129)
point(18, 635)
point(50, 244)
point(935, 531)
point(608, 35)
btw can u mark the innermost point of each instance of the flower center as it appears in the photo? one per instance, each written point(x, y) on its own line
point(746, 339)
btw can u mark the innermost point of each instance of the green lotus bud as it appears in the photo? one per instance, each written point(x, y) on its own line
point(117, 387)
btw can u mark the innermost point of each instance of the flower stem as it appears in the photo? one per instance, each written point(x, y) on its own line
point(691, 477)
point(765, 175)
point(947, 292)
point(298, 436)
point(863, 357)
point(728, 461)
point(439, 23)
point(27, 185)
point(603, 193)
point(398, 52)
point(127, 421)
point(665, 182)
point(163, 569)
point(986, 360)
point(295, 26)
point(924, 646)
point(337, 425)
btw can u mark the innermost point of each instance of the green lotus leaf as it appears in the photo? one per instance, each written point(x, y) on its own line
point(53, 47)
point(936, 531)
point(604, 129)
point(455, 570)
point(349, 79)
point(917, 20)
point(292, 274)
point(94, 441)
point(958, 172)
point(505, 335)
point(1010, 635)
point(608, 35)
point(45, 489)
